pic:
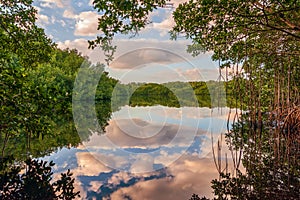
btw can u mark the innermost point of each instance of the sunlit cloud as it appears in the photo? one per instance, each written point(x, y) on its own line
point(42, 20)
point(130, 51)
point(52, 3)
point(162, 140)
point(119, 177)
point(177, 2)
point(69, 14)
point(165, 26)
point(145, 56)
point(88, 165)
point(119, 133)
point(80, 44)
point(86, 22)
point(95, 185)
point(142, 163)
point(185, 173)
point(189, 175)
point(190, 74)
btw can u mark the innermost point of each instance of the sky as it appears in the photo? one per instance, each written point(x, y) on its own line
point(148, 57)
point(148, 153)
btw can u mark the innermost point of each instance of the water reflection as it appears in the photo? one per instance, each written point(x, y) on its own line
point(147, 153)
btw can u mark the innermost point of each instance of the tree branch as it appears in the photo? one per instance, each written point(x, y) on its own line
point(282, 19)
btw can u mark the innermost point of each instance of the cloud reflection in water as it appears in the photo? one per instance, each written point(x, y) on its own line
point(132, 162)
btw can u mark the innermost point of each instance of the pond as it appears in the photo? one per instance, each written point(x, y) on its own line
point(152, 152)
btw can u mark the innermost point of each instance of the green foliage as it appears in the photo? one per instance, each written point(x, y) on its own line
point(69, 61)
point(174, 94)
point(23, 47)
point(11, 94)
point(227, 27)
point(249, 27)
point(121, 17)
point(36, 83)
point(36, 119)
point(20, 36)
point(153, 94)
point(91, 99)
point(35, 104)
point(105, 87)
point(35, 183)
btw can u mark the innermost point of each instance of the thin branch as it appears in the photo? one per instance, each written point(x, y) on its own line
point(282, 30)
point(287, 22)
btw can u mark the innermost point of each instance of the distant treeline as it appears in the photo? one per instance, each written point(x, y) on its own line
point(173, 94)
point(40, 100)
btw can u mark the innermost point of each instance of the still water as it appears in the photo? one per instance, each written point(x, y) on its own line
point(153, 152)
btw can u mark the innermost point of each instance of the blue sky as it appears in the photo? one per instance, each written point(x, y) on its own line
point(71, 23)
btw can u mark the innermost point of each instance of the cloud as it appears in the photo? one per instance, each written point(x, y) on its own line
point(42, 19)
point(53, 19)
point(164, 26)
point(52, 3)
point(190, 74)
point(165, 158)
point(197, 73)
point(62, 22)
point(190, 175)
point(80, 44)
point(170, 127)
point(177, 2)
point(185, 176)
point(151, 60)
point(123, 133)
point(69, 14)
point(91, 2)
point(79, 4)
point(140, 52)
point(88, 165)
point(95, 185)
point(87, 23)
point(137, 49)
point(145, 56)
point(142, 163)
point(119, 177)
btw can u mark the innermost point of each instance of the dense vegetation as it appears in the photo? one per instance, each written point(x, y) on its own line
point(35, 105)
point(259, 41)
point(175, 94)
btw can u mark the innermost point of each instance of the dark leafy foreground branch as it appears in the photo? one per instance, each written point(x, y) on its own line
point(196, 197)
point(35, 183)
